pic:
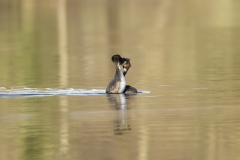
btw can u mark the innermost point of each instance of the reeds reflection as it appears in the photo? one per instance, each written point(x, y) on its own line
point(63, 78)
point(185, 52)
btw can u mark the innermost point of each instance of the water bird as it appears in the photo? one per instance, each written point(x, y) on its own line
point(126, 65)
point(118, 84)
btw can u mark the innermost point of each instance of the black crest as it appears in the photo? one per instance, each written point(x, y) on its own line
point(118, 58)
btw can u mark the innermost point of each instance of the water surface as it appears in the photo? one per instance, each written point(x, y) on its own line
point(186, 54)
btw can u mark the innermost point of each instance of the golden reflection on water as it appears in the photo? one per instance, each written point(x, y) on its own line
point(186, 53)
point(63, 78)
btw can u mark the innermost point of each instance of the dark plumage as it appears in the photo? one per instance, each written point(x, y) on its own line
point(118, 84)
point(129, 89)
point(118, 58)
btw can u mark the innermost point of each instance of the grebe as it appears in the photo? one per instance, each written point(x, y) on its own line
point(126, 65)
point(118, 84)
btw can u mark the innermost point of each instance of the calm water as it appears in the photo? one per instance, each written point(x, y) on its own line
point(186, 53)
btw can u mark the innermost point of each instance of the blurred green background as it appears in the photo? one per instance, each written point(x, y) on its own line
point(186, 53)
point(44, 41)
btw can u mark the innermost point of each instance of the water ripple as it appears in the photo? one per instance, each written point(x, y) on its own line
point(32, 92)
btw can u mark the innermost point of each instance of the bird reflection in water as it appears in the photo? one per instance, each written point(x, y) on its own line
point(119, 103)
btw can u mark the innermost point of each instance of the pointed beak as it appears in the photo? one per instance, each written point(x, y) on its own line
point(124, 63)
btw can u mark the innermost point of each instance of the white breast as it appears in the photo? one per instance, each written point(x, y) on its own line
point(122, 84)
